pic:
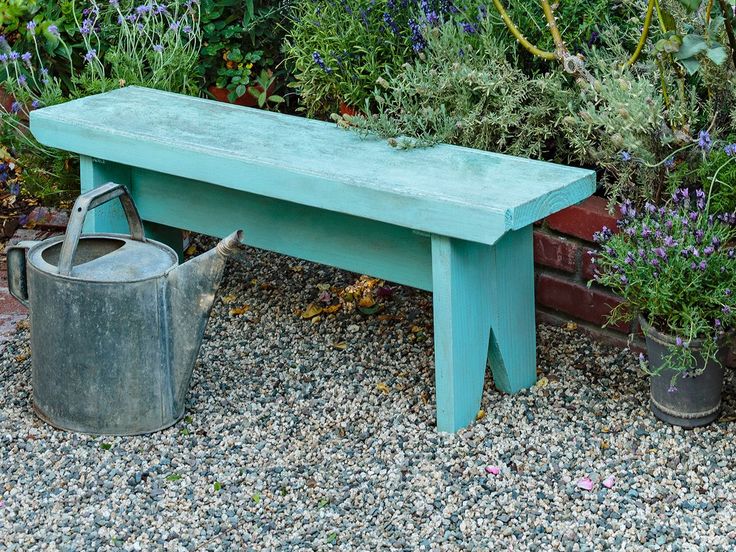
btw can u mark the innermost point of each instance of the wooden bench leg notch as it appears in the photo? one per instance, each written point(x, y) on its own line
point(483, 310)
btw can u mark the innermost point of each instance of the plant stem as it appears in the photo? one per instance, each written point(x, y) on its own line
point(729, 29)
point(552, 24)
point(708, 9)
point(531, 48)
point(644, 35)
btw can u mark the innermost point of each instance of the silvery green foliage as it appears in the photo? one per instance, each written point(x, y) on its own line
point(468, 89)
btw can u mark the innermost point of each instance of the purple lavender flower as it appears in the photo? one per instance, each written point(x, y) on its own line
point(669, 163)
point(174, 25)
point(726, 309)
point(660, 252)
point(624, 279)
point(730, 149)
point(35, 104)
point(53, 30)
point(22, 80)
point(650, 207)
point(672, 389)
point(703, 265)
point(717, 323)
point(699, 235)
point(15, 107)
point(629, 260)
point(31, 26)
point(4, 58)
point(727, 292)
point(158, 48)
point(388, 20)
point(627, 209)
point(140, 10)
point(468, 28)
point(187, 29)
point(90, 55)
point(700, 196)
point(418, 43)
point(87, 27)
point(679, 341)
point(13, 56)
point(114, 2)
point(319, 61)
point(27, 58)
point(625, 156)
point(704, 141)
point(669, 241)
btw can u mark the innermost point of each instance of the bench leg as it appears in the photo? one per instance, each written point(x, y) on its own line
point(167, 235)
point(512, 351)
point(462, 324)
point(110, 216)
point(483, 311)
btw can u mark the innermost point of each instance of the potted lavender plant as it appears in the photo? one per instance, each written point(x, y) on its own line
point(675, 267)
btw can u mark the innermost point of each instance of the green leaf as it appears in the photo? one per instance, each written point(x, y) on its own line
point(692, 45)
point(690, 5)
point(668, 21)
point(256, 498)
point(332, 538)
point(217, 486)
point(691, 65)
point(275, 99)
point(184, 431)
point(240, 90)
point(173, 477)
point(105, 446)
point(322, 503)
point(717, 54)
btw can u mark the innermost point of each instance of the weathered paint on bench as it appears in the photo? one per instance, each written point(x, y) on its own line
point(452, 220)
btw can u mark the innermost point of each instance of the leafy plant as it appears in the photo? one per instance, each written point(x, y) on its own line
point(675, 266)
point(239, 41)
point(149, 44)
point(338, 50)
point(469, 90)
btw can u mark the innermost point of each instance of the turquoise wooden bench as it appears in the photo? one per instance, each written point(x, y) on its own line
point(452, 220)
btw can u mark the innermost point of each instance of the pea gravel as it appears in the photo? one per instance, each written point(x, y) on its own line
point(293, 443)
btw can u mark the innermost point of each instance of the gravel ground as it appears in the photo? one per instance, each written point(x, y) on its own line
point(292, 442)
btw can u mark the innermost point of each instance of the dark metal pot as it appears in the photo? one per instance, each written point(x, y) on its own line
point(697, 400)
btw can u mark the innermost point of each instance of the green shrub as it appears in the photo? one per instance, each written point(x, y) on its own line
point(469, 90)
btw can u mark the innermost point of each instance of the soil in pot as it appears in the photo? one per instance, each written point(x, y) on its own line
point(695, 399)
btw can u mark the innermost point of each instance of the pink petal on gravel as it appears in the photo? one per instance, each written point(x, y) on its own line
point(586, 483)
point(608, 482)
point(495, 470)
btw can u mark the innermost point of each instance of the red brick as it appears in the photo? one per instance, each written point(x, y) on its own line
point(577, 300)
point(555, 252)
point(583, 220)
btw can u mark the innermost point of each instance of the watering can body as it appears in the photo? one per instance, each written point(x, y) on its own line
point(116, 323)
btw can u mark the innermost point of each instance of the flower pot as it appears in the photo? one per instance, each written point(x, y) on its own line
point(248, 99)
point(696, 401)
point(348, 110)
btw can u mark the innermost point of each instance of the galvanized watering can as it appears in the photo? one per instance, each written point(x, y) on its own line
point(116, 323)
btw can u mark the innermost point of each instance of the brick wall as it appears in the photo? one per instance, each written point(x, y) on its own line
point(563, 267)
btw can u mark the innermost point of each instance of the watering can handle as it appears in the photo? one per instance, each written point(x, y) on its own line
point(90, 200)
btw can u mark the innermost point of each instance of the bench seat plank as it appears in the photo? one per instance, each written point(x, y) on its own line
point(448, 190)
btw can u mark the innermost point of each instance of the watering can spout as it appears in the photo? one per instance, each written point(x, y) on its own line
point(190, 290)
